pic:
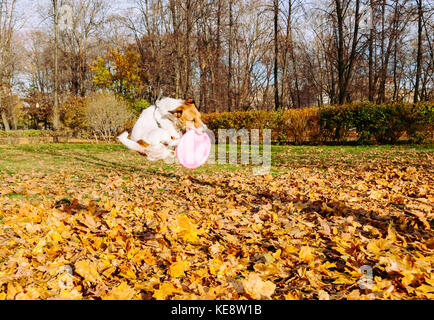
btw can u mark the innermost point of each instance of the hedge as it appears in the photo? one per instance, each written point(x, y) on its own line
point(25, 133)
point(369, 122)
point(380, 123)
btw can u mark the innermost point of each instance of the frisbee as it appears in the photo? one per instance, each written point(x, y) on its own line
point(193, 149)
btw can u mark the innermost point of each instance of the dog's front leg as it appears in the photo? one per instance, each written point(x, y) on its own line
point(173, 142)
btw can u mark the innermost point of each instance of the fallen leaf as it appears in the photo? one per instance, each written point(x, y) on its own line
point(257, 288)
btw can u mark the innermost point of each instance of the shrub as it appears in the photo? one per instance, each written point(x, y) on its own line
point(386, 123)
point(391, 123)
point(420, 122)
point(107, 115)
point(289, 126)
point(73, 113)
point(301, 125)
point(138, 106)
point(335, 122)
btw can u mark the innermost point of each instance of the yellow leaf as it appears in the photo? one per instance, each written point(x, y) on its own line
point(376, 194)
point(198, 274)
point(13, 289)
point(426, 290)
point(377, 245)
point(256, 227)
point(408, 277)
point(327, 265)
point(39, 248)
point(186, 228)
point(70, 295)
point(177, 269)
point(216, 267)
point(55, 236)
point(109, 271)
point(306, 254)
point(290, 249)
point(291, 296)
point(257, 288)
point(274, 217)
point(276, 255)
point(323, 295)
point(267, 268)
point(127, 272)
point(343, 280)
point(121, 292)
point(166, 289)
point(354, 295)
point(146, 256)
point(88, 270)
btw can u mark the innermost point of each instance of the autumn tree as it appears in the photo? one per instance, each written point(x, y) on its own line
point(119, 71)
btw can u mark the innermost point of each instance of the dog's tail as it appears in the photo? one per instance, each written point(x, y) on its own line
point(130, 144)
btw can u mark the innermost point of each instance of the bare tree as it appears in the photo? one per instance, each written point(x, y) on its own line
point(230, 46)
point(7, 28)
point(276, 52)
point(56, 119)
point(345, 60)
point(419, 50)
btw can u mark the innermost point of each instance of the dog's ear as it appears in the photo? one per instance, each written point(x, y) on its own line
point(190, 101)
point(177, 112)
point(180, 108)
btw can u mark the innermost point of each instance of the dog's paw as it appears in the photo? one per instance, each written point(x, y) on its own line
point(123, 136)
point(174, 143)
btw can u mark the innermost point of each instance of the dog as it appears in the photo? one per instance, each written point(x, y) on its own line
point(159, 128)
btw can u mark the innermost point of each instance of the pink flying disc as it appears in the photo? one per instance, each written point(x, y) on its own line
point(193, 149)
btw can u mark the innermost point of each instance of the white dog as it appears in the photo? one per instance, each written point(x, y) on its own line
point(159, 128)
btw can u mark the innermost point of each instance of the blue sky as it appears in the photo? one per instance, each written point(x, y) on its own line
point(31, 19)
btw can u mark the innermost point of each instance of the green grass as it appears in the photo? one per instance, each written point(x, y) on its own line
point(350, 155)
point(101, 159)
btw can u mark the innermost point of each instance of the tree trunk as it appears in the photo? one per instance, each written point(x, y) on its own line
point(345, 67)
point(216, 68)
point(187, 45)
point(276, 55)
point(5, 121)
point(395, 66)
point(285, 83)
point(175, 25)
point(56, 67)
point(383, 73)
point(340, 51)
point(370, 58)
point(229, 85)
point(419, 52)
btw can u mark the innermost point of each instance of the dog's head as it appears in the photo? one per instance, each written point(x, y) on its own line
point(188, 116)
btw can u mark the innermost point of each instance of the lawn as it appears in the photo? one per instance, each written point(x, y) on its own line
point(327, 222)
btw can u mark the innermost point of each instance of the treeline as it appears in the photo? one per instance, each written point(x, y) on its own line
point(227, 55)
